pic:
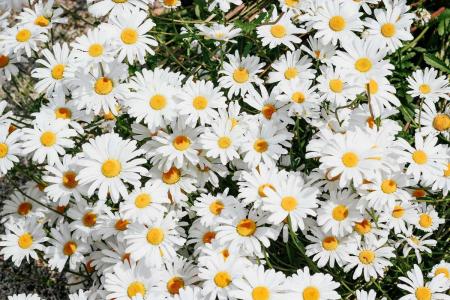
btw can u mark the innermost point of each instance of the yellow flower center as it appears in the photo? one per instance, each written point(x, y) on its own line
point(246, 227)
point(420, 157)
point(298, 97)
point(172, 176)
point(363, 227)
point(103, 86)
point(366, 256)
point(142, 200)
point(389, 186)
point(170, 2)
point(291, 3)
point(370, 122)
point(95, 50)
point(208, 237)
point(268, 110)
point(398, 212)
point(278, 31)
point(290, 73)
point(419, 193)
point(441, 122)
point(158, 102)
point(224, 142)
point(241, 75)
point(4, 61)
point(48, 139)
point(24, 208)
point(330, 243)
point(260, 145)
point(63, 113)
point(121, 224)
point(336, 85)
point(69, 180)
point(136, 287)
point(447, 171)
point(155, 236)
point(119, 1)
point(340, 212)
point(425, 220)
point(337, 23)
point(174, 285)
point(289, 203)
point(222, 279)
point(262, 187)
point(111, 168)
point(89, 219)
point(424, 88)
point(311, 293)
point(423, 293)
point(388, 30)
point(373, 87)
point(25, 240)
point(260, 293)
point(200, 103)
point(350, 159)
point(70, 248)
point(216, 207)
point(363, 64)
point(23, 35)
point(3, 150)
point(442, 270)
point(58, 72)
point(41, 21)
point(181, 143)
point(129, 36)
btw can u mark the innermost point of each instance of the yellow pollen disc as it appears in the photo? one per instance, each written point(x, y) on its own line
point(398, 212)
point(425, 88)
point(58, 72)
point(298, 97)
point(129, 36)
point(181, 143)
point(216, 207)
point(317, 53)
point(423, 293)
point(103, 86)
point(291, 3)
point(23, 35)
point(95, 50)
point(121, 224)
point(25, 240)
point(174, 285)
point(222, 279)
point(289, 203)
point(48, 139)
point(135, 288)
point(172, 176)
point(170, 2)
point(337, 23)
point(111, 168)
point(441, 122)
point(373, 87)
point(262, 187)
point(225, 253)
point(388, 30)
point(278, 31)
point(363, 227)
point(142, 200)
point(260, 145)
point(290, 73)
point(311, 293)
point(24, 208)
point(447, 171)
point(3, 150)
point(340, 212)
point(224, 142)
point(330, 243)
point(63, 113)
point(70, 248)
point(208, 237)
point(366, 256)
point(41, 21)
point(350, 159)
point(234, 122)
point(268, 110)
point(69, 180)
point(420, 157)
point(200, 103)
point(363, 64)
point(241, 75)
point(61, 208)
point(260, 293)
point(389, 186)
point(442, 270)
point(4, 61)
point(370, 122)
point(336, 85)
point(419, 193)
point(155, 236)
point(425, 220)
point(158, 102)
point(89, 219)
point(119, 1)
point(246, 227)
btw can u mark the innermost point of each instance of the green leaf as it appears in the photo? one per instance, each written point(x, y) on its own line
point(435, 62)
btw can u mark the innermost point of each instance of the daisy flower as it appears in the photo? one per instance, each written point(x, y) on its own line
point(224, 5)
point(269, 107)
point(175, 182)
point(22, 240)
point(419, 290)
point(47, 140)
point(363, 295)
point(417, 243)
point(427, 85)
point(333, 87)
point(101, 8)
point(240, 73)
point(211, 209)
point(291, 66)
point(200, 236)
point(441, 268)
point(8, 68)
point(399, 217)
point(85, 218)
point(189, 293)
point(301, 96)
point(109, 162)
point(428, 219)
point(431, 121)
point(10, 148)
point(20, 207)
point(318, 50)
point(170, 4)
point(219, 32)
point(177, 274)
point(293, 5)
point(382, 95)
point(42, 15)
point(307, 286)
point(20, 39)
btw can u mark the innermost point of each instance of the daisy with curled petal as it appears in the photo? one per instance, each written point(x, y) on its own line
point(361, 117)
point(129, 31)
point(8, 61)
point(224, 5)
point(370, 259)
point(419, 290)
point(42, 15)
point(85, 218)
point(199, 101)
point(307, 286)
point(189, 293)
point(47, 140)
point(442, 267)
point(109, 161)
point(110, 224)
point(19, 206)
point(291, 66)
point(22, 38)
point(301, 96)
point(400, 217)
point(417, 243)
point(101, 8)
point(209, 170)
point(431, 121)
point(200, 236)
point(177, 274)
point(318, 50)
point(382, 94)
point(428, 219)
point(108, 255)
point(363, 295)
point(333, 86)
point(175, 182)
point(219, 32)
point(21, 240)
point(338, 213)
point(212, 208)
point(10, 148)
point(427, 85)
point(146, 204)
point(240, 73)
